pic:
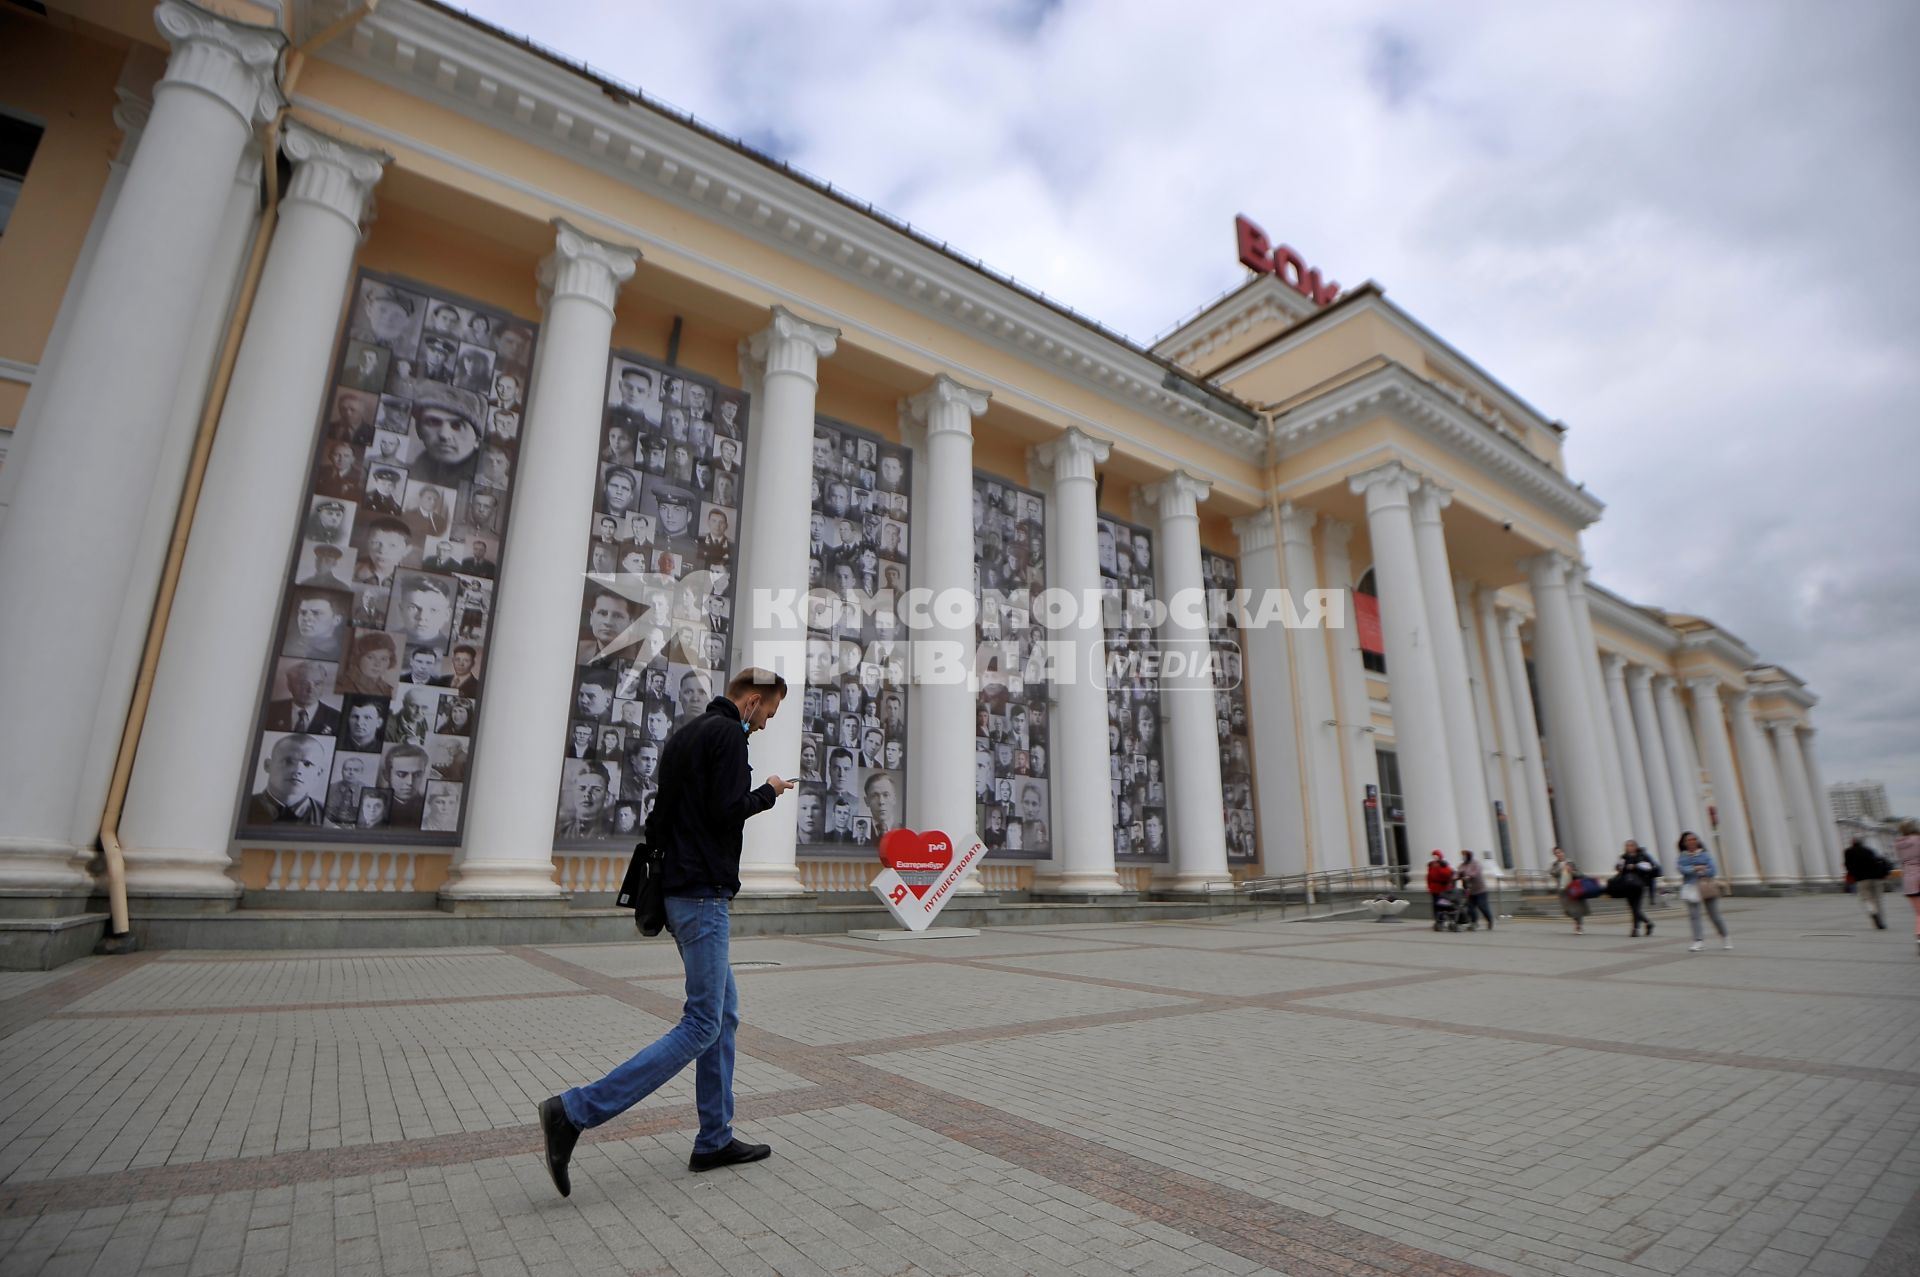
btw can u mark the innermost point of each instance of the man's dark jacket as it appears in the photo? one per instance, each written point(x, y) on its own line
point(705, 797)
point(1863, 862)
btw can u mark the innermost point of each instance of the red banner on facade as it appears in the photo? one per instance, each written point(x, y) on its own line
point(1366, 614)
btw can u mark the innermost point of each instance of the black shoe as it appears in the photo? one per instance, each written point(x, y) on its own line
point(1879, 922)
point(733, 1154)
point(561, 1135)
point(1649, 928)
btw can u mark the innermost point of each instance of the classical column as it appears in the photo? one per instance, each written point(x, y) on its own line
point(1526, 732)
point(773, 576)
point(1799, 798)
point(1559, 656)
point(199, 726)
point(1653, 757)
point(1083, 827)
point(209, 323)
point(1267, 664)
point(1319, 725)
point(1682, 771)
point(1474, 812)
point(1614, 668)
point(1619, 813)
point(1710, 726)
point(1419, 721)
point(1772, 840)
point(1492, 761)
point(1194, 794)
point(83, 490)
point(514, 784)
point(1350, 681)
point(944, 704)
point(1822, 806)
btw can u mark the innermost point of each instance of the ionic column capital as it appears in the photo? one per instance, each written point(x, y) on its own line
point(1296, 525)
point(1704, 685)
point(235, 63)
point(1255, 531)
point(1614, 667)
point(792, 345)
point(1577, 573)
point(1389, 484)
point(1639, 676)
point(330, 174)
point(1337, 534)
point(1178, 496)
point(1429, 499)
point(130, 115)
point(1546, 571)
point(1073, 455)
point(947, 405)
point(584, 267)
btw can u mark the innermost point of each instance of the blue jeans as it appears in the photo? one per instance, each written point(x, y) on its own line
point(703, 1038)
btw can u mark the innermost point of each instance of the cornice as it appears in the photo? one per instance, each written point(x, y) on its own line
point(1610, 610)
point(484, 75)
point(1395, 391)
point(1774, 683)
point(1261, 300)
point(1718, 646)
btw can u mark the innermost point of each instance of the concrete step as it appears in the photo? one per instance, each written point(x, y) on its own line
point(41, 944)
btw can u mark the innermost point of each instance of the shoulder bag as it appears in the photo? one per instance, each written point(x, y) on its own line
point(644, 891)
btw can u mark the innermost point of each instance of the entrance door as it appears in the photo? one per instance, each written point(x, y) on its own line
point(1393, 812)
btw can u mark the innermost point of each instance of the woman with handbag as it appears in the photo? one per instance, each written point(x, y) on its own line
point(1701, 889)
point(1566, 880)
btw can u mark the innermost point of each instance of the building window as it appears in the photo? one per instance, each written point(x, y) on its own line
point(18, 141)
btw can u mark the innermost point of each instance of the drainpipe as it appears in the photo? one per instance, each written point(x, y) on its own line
point(120, 937)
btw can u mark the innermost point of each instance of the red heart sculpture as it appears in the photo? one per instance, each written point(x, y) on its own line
point(907, 852)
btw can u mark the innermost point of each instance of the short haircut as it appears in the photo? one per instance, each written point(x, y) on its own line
point(387, 523)
point(468, 648)
point(599, 678)
point(423, 651)
point(603, 770)
point(443, 588)
point(755, 679)
point(409, 751)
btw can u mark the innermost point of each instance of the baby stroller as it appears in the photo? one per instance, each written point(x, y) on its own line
point(1450, 910)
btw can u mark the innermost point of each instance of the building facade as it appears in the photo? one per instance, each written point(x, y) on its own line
point(1859, 800)
point(404, 422)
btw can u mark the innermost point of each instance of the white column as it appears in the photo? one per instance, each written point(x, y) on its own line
point(1614, 668)
point(1619, 813)
point(1194, 794)
point(1266, 664)
point(1492, 761)
point(1799, 798)
point(1653, 757)
point(1822, 806)
point(1710, 726)
point(209, 324)
point(1474, 812)
point(1773, 842)
point(773, 569)
point(514, 784)
point(943, 538)
point(1350, 681)
point(1083, 829)
point(1319, 725)
point(1510, 761)
point(198, 732)
point(1533, 764)
point(83, 490)
point(1558, 657)
point(1419, 721)
point(1682, 771)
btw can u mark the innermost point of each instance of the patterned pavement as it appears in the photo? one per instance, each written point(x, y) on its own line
point(1230, 1097)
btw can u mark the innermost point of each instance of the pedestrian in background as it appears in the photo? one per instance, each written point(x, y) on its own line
point(1572, 904)
point(1906, 849)
point(1637, 874)
point(1868, 873)
point(1701, 889)
point(1473, 880)
point(1439, 880)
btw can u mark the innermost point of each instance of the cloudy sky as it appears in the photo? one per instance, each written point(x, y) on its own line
point(1686, 229)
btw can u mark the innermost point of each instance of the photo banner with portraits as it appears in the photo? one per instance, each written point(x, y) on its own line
point(366, 727)
point(853, 741)
point(656, 609)
point(1136, 764)
point(1222, 577)
point(1011, 762)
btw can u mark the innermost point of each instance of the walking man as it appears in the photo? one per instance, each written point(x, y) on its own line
point(1869, 874)
point(705, 796)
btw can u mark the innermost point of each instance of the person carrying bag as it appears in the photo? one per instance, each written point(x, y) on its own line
point(1701, 890)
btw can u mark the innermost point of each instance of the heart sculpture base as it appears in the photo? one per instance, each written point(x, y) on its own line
point(931, 933)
